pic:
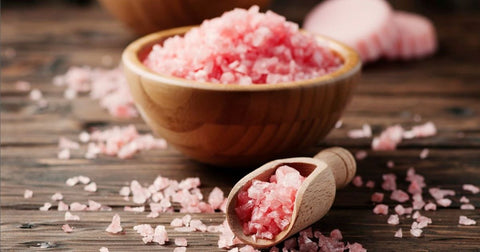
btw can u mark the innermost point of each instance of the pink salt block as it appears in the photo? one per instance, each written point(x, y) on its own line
point(464, 220)
point(28, 194)
point(177, 222)
point(418, 202)
point(380, 209)
point(115, 226)
point(399, 233)
point(180, 241)
point(377, 197)
point(263, 48)
point(67, 229)
point(146, 231)
point(471, 188)
point(356, 247)
point(36, 95)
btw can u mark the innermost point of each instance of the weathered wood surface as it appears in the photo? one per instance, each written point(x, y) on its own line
point(444, 89)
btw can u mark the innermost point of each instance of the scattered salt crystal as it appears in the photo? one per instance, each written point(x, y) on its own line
point(70, 94)
point(370, 184)
point(399, 233)
point(390, 164)
point(247, 248)
point(438, 193)
point(400, 210)
point(185, 229)
point(84, 179)
point(28, 194)
point(467, 207)
point(377, 197)
point(399, 195)
point(216, 198)
point(84, 137)
point(336, 234)
point(418, 202)
point(180, 249)
point(71, 217)
point(36, 95)
point(416, 215)
point(103, 249)
point(471, 188)
point(57, 196)
point(464, 199)
point(153, 215)
point(381, 209)
point(338, 124)
point(124, 191)
point(186, 220)
point(22, 86)
point(92, 187)
point(146, 231)
point(45, 206)
point(425, 130)
point(139, 209)
point(180, 241)
point(389, 182)
point(356, 247)
point(360, 155)
point(464, 220)
point(62, 206)
point(393, 219)
point(93, 206)
point(416, 232)
point(430, 207)
point(388, 139)
point(72, 181)
point(75, 206)
point(115, 226)
point(198, 225)
point(160, 236)
point(364, 132)
point(357, 181)
point(424, 153)
point(64, 154)
point(444, 202)
point(67, 229)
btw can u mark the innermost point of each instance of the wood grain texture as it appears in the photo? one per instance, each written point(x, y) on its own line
point(48, 39)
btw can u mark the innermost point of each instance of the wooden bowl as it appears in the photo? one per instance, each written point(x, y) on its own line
point(147, 16)
point(238, 125)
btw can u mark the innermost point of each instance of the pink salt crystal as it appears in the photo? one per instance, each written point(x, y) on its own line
point(338, 124)
point(62, 206)
point(360, 155)
point(364, 132)
point(92, 187)
point(290, 243)
point(65, 143)
point(247, 248)
point(370, 184)
point(424, 153)
point(464, 220)
point(399, 233)
point(416, 215)
point(93, 206)
point(189, 183)
point(71, 217)
point(64, 154)
point(356, 247)
point(153, 215)
point(115, 226)
point(377, 197)
point(103, 249)
point(399, 195)
point(180, 241)
point(381, 209)
point(22, 86)
point(390, 164)
point(223, 207)
point(444, 202)
point(415, 187)
point(28, 194)
point(36, 95)
point(336, 234)
point(423, 221)
point(185, 229)
point(418, 202)
point(146, 231)
point(424, 130)
point(388, 139)
point(263, 48)
point(75, 206)
point(84, 137)
point(430, 207)
point(389, 182)
point(177, 222)
point(471, 188)
point(393, 219)
point(416, 232)
point(438, 193)
point(464, 199)
point(357, 181)
point(467, 207)
point(67, 229)
point(72, 181)
point(84, 179)
point(180, 249)
point(160, 236)
point(57, 196)
point(216, 198)
point(265, 208)
point(139, 209)
point(198, 225)
point(226, 238)
point(70, 94)
point(124, 191)
point(400, 210)
point(140, 194)
point(186, 220)
point(45, 206)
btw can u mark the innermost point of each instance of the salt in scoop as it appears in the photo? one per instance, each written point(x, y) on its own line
point(329, 170)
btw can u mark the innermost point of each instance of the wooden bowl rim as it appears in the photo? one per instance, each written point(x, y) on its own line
point(130, 59)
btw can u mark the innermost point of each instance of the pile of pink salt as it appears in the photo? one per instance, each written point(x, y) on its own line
point(265, 208)
point(244, 47)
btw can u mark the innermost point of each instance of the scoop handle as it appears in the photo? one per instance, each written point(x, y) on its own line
point(341, 162)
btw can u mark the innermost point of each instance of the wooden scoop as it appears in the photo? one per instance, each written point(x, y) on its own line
point(330, 169)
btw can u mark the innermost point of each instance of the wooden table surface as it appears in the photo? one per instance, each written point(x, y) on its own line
point(444, 89)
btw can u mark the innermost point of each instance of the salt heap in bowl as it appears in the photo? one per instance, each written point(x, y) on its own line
point(244, 47)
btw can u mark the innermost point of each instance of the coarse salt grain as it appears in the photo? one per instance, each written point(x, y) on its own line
point(416, 232)
point(393, 219)
point(360, 155)
point(377, 197)
point(464, 199)
point(467, 207)
point(399, 233)
point(438, 193)
point(139, 209)
point(72, 181)
point(364, 132)
point(65, 143)
point(71, 217)
point(389, 182)
point(380, 209)
point(464, 220)
point(92, 187)
point(424, 153)
point(216, 198)
point(388, 139)
point(46, 206)
point(255, 207)
point(160, 236)
point(390, 164)
point(243, 47)
point(36, 95)
point(93, 206)
point(84, 179)
point(471, 188)
point(400, 196)
point(67, 229)
point(75, 206)
point(28, 194)
point(430, 207)
point(444, 202)
point(62, 206)
point(357, 181)
point(370, 184)
point(180, 249)
point(64, 154)
point(124, 191)
point(180, 241)
point(103, 249)
point(425, 130)
point(114, 227)
point(57, 196)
